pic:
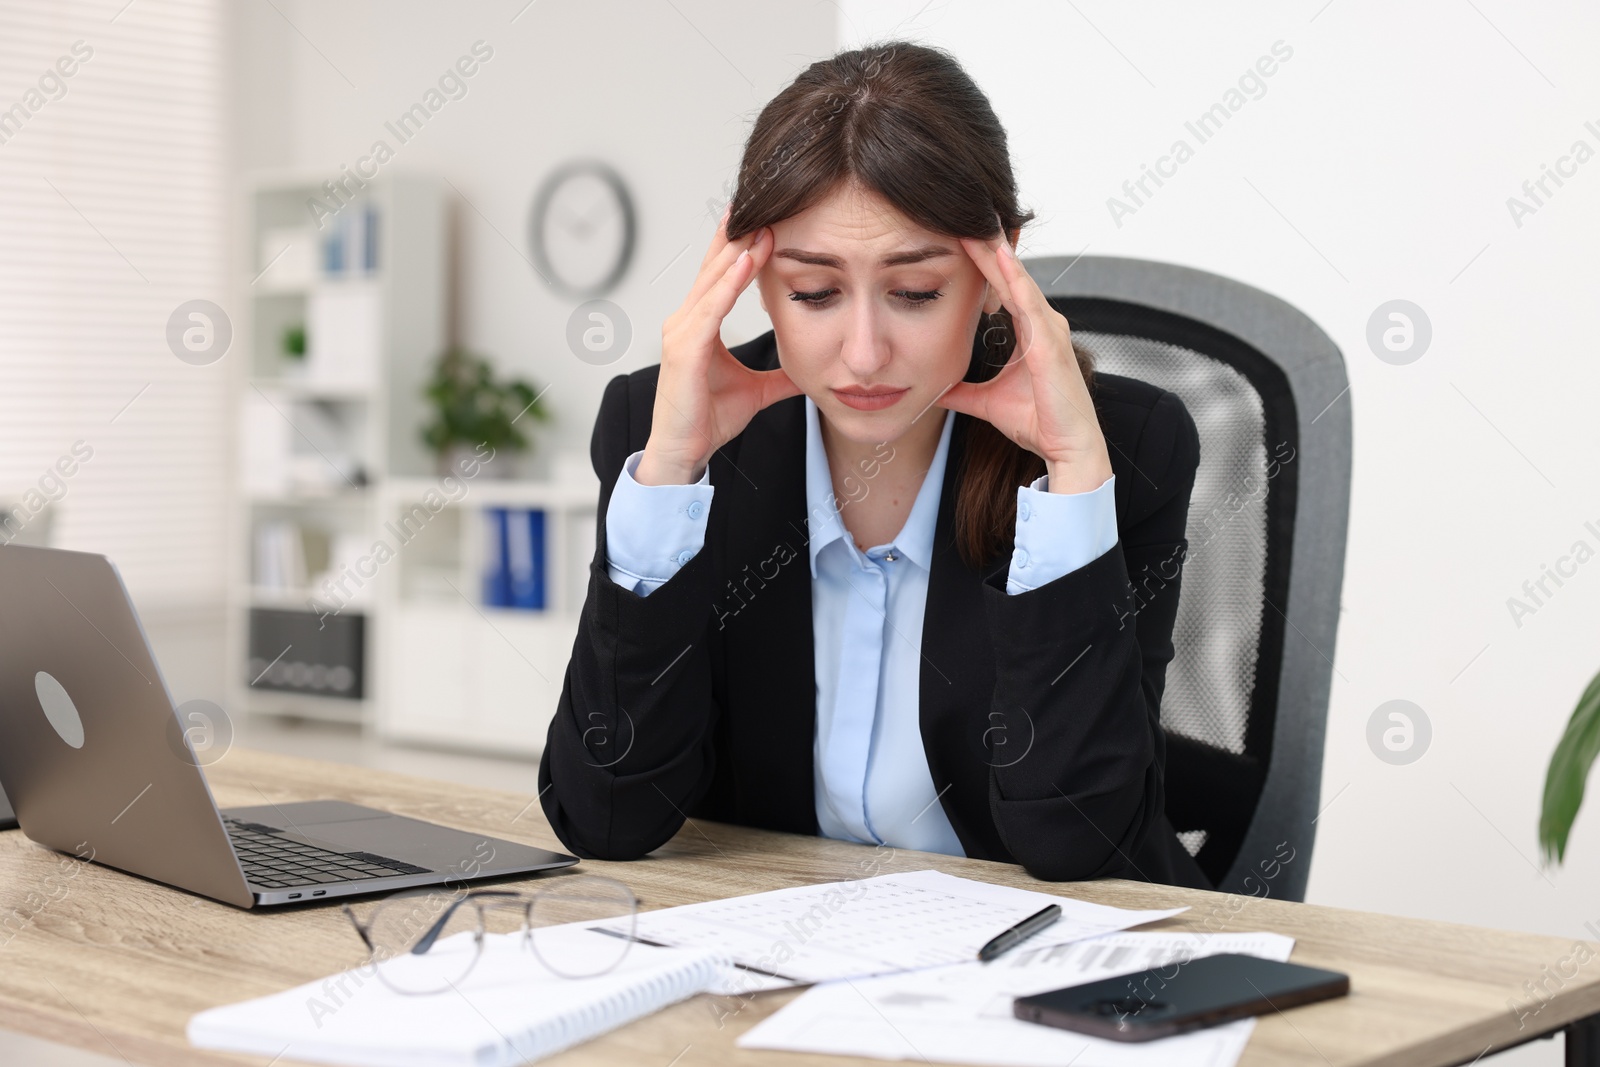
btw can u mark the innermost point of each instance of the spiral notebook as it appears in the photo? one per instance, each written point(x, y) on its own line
point(508, 1010)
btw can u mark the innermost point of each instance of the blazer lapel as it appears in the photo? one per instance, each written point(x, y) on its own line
point(960, 734)
point(763, 620)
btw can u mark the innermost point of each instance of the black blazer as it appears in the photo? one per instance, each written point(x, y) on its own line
point(1039, 711)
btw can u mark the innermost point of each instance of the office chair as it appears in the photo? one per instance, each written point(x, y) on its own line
point(1246, 698)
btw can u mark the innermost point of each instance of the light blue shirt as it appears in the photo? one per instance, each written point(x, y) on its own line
point(872, 779)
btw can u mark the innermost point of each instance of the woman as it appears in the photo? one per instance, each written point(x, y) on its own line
point(868, 575)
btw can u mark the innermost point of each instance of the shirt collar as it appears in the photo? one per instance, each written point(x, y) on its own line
point(915, 539)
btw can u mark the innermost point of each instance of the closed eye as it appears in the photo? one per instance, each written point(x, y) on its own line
point(909, 297)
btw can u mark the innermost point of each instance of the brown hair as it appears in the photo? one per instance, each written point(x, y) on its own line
point(905, 121)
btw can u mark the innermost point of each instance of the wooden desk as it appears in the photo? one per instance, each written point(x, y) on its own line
point(117, 965)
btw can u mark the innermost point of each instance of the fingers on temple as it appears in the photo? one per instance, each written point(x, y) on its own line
point(719, 257)
point(1022, 286)
point(985, 255)
point(723, 290)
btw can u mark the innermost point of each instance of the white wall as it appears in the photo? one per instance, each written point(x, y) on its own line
point(1376, 165)
point(665, 92)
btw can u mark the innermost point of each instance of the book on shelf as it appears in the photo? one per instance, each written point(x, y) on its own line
point(525, 557)
point(280, 562)
point(514, 558)
point(350, 242)
point(291, 555)
point(496, 579)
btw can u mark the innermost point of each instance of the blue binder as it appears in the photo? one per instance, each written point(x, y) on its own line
point(525, 558)
point(496, 574)
point(333, 250)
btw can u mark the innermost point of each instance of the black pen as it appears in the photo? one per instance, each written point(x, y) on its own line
point(1020, 932)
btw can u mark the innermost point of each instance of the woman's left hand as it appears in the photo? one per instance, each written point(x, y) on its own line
point(1039, 398)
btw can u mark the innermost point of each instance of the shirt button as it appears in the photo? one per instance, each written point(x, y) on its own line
point(683, 557)
point(696, 509)
point(1024, 511)
point(1021, 558)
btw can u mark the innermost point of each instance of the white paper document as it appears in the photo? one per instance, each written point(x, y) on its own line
point(894, 922)
point(962, 1013)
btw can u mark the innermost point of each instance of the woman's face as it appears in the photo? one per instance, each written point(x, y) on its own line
point(864, 301)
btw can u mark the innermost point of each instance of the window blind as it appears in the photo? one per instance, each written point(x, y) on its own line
point(112, 215)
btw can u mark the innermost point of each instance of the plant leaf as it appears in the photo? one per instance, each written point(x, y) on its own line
point(470, 407)
point(1569, 767)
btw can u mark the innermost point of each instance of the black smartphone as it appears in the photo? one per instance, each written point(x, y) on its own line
point(1182, 996)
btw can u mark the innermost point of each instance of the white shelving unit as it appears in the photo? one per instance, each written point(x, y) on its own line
point(459, 673)
point(317, 433)
point(332, 444)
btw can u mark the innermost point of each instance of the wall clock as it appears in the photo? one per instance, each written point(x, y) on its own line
point(581, 229)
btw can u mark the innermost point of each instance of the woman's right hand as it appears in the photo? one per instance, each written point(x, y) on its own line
point(704, 396)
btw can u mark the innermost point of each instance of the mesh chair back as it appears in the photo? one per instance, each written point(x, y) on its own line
point(1246, 695)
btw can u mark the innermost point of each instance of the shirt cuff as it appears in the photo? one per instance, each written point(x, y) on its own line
point(1059, 532)
point(653, 530)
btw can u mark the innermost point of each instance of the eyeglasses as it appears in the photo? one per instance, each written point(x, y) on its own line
point(428, 941)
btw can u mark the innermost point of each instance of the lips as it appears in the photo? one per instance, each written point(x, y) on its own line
point(871, 399)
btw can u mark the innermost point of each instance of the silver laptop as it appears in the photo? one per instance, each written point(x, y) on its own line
point(95, 762)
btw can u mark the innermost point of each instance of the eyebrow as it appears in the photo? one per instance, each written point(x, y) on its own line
point(898, 259)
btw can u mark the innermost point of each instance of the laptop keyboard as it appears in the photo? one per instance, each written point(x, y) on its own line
point(273, 862)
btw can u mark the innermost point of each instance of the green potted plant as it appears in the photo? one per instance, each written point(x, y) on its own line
point(292, 347)
point(475, 415)
point(1569, 767)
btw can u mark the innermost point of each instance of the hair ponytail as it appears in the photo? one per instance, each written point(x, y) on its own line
point(993, 465)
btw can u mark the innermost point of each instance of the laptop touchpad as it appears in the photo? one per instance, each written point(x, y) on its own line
point(410, 840)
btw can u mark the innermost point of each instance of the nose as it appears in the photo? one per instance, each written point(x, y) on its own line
point(865, 348)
